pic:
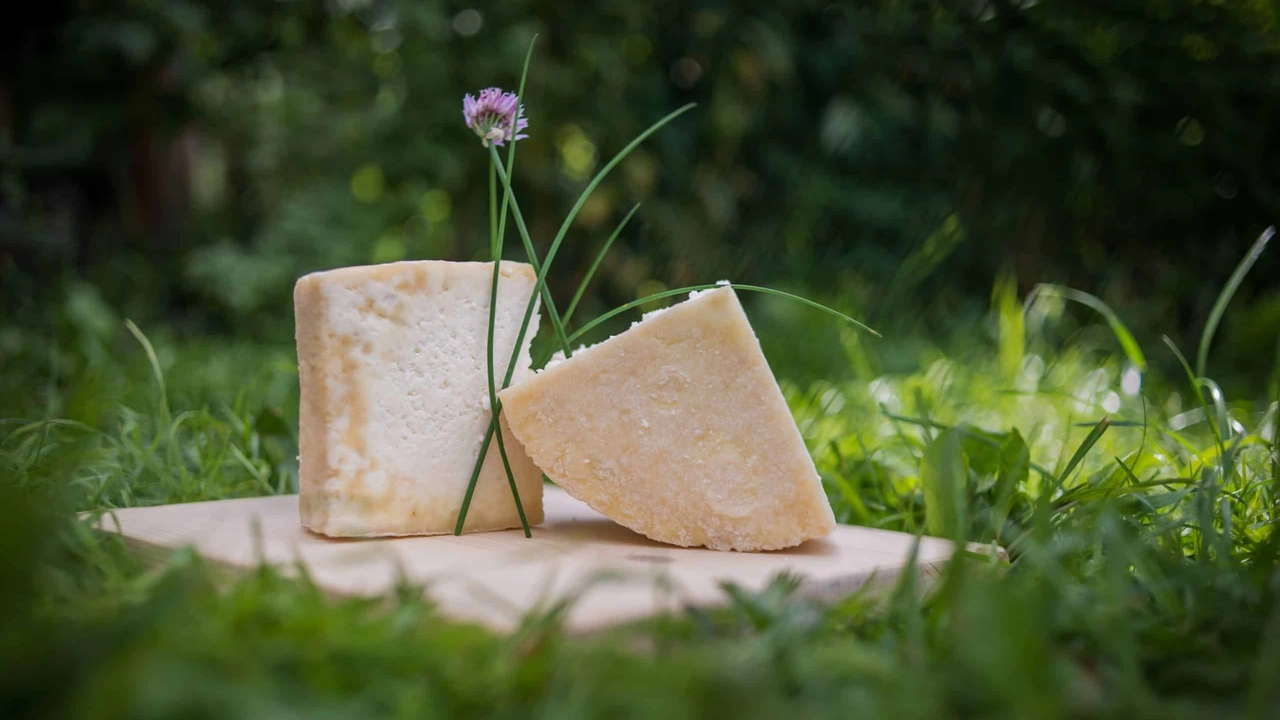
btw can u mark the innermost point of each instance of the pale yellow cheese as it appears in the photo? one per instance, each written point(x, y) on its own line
point(394, 405)
point(676, 429)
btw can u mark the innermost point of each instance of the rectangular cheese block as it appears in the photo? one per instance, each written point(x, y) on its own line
point(394, 397)
point(677, 429)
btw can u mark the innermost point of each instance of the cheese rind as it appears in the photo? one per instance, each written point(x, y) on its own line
point(394, 398)
point(677, 429)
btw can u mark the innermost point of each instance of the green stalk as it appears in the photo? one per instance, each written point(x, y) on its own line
point(497, 227)
point(556, 324)
point(586, 280)
point(591, 186)
point(494, 406)
point(1228, 292)
point(154, 360)
point(542, 280)
point(493, 214)
point(711, 286)
point(1196, 383)
point(573, 214)
point(1127, 342)
point(1090, 440)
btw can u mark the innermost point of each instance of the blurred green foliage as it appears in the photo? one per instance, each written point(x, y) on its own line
point(1144, 579)
point(179, 163)
point(188, 160)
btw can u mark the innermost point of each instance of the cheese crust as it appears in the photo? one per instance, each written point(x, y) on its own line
point(677, 429)
point(394, 398)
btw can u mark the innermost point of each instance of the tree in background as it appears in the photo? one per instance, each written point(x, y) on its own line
point(192, 158)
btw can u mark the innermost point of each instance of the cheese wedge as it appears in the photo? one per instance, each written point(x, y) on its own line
point(676, 429)
point(395, 404)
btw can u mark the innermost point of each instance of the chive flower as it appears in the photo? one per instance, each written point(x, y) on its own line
point(490, 116)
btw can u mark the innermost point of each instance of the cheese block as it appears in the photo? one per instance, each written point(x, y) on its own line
point(395, 404)
point(676, 429)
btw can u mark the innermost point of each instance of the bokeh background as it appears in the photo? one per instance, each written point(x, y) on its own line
point(180, 163)
point(168, 168)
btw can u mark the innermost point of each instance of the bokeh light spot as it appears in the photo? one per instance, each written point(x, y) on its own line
point(1051, 122)
point(388, 248)
point(1111, 403)
point(577, 152)
point(1189, 131)
point(685, 72)
point(367, 183)
point(636, 48)
point(1131, 381)
point(706, 23)
point(436, 205)
point(385, 40)
point(386, 66)
point(468, 22)
point(652, 287)
point(1225, 186)
point(387, 102)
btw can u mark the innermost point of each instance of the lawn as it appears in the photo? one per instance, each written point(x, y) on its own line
point(168, 170)
point(1138, 511)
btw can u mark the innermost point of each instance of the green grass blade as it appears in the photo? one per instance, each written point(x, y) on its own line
point(495, 164)
point(595, 181)
point(1186, 366)
point(497, 229)
point(475, 477)
point(711, 286)
point(511, 478)
point(1127, 342)
point(573, 214)
point(557, 325)
point(155, 366)
point(1265, 692)
point(541, 284)
point(1196, 388)
point(1011, 321)
point(806, 301)
point(967, 432)
point(494, 406)
point(511, 149)
point(1228, 292)
point(943, 477)
point(493, 213)
point(507, 196)
point(1133, 479)
point(846, 488)
point(555, 244)
point(1090, 440)
point(604, 250)
point(1011, 473)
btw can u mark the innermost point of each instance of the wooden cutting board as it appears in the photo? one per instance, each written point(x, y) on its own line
point(496, 578)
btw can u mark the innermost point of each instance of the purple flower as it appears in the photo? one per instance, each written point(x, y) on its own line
point(491, 114)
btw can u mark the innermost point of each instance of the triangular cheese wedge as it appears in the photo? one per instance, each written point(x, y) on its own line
point(676, 429)
point(395, 402)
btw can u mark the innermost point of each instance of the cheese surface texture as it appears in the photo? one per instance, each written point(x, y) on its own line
point(676, 429)
point(394, 397)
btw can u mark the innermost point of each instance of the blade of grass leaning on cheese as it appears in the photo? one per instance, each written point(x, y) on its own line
point(393, 406)
point(497, 117)
point(497, 231)
point(542, 273)
point(600, 320)
point(676, 429)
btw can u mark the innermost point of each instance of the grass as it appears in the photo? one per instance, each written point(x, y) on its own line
point(540, 288)
point(1140, 523)
point(498, 231)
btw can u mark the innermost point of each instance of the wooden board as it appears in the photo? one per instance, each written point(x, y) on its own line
point(495, 578)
